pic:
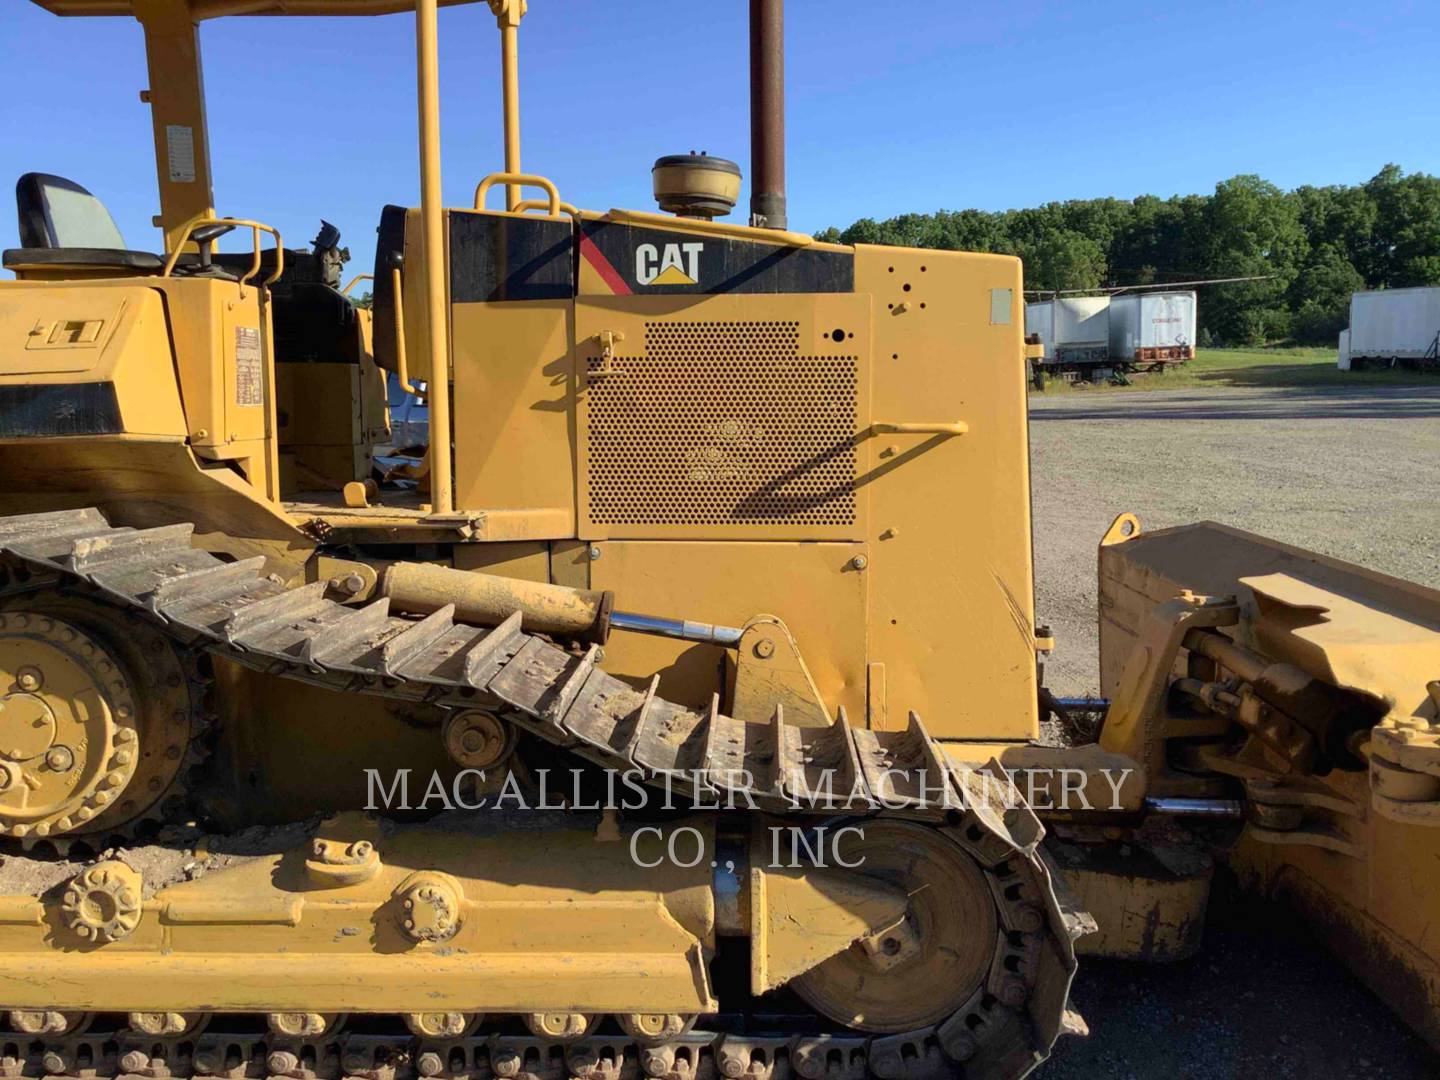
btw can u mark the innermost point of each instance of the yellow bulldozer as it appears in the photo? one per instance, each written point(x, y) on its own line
point(672, 710)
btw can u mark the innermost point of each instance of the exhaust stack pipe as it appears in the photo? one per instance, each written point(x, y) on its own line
point(767, 114)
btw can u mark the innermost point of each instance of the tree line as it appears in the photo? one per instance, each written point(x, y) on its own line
point(1314, 246)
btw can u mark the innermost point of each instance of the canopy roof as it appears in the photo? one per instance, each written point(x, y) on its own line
point(210, 9)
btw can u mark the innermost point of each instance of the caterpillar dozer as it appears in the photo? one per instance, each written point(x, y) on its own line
point(666, 701)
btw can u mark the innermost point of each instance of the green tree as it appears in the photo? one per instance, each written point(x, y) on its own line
point(1061, 259)
point(1337, 216)
point(1405, 244)
point(1320, 295)
point(1251, 229)
point(972, 230)
point(1312, 247)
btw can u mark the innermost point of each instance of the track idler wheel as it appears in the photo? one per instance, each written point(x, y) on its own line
point(928, 965)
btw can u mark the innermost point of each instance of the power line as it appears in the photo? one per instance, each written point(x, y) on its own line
point(1112, 289)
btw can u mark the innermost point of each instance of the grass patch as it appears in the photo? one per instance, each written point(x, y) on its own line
point(1280, 368)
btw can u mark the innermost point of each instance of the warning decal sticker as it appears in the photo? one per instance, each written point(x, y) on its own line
point(248, 369)
point(180, 144)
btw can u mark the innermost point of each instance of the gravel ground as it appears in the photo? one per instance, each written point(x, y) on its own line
point(1350, 473)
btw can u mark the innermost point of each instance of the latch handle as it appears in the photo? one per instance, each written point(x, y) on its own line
point(889, 427)
point(608, 340)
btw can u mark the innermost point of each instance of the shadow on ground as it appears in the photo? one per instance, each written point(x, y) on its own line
point(1315, 377)
point(1371, 402)
point(1262, 999)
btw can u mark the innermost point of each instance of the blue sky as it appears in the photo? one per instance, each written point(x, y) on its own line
point(893, 107)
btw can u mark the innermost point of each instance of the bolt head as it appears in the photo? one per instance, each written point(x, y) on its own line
point(1029, 919)
point(1013, 992)
point(583, 1059)
point(961, 1046)
point(888, 1066)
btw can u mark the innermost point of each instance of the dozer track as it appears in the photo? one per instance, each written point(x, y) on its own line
point(562, 696)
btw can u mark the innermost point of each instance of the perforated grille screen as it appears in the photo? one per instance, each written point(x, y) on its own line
point(721, 423)
point(738, 340)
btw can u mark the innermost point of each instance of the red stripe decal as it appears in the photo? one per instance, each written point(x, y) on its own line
point(601, 265)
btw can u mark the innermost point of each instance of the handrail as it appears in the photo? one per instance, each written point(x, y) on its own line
point(890, 427)
point(402, 366)
point(535, 204)
point(524, 179)
point(356, 281)
point(435, 268)
point(255, 227)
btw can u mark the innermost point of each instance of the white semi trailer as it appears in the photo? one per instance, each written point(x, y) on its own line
point(1390, 327)
point(1152, 330)
point(1075, 332)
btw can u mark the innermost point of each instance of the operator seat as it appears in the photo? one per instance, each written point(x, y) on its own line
point(63, 225)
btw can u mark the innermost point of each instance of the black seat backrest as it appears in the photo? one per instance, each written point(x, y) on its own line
point(59, 213)
point(389, 255)
point(62, 225)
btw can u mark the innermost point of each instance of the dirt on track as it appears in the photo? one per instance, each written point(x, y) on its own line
point(1351, 473)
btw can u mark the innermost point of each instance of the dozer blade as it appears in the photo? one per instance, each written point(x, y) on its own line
point(1345, 663)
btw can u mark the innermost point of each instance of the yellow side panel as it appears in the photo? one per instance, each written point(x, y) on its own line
point(951, 586)
point(56, 333)
point(809, 585)
point(514, 442)
point(223, 360)
point(528, 560)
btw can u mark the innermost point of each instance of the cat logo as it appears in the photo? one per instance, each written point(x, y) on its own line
point(674, 264)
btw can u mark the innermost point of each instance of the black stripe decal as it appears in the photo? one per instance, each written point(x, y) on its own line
point(720, 264)
point(59, 409)
point(507, 258)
